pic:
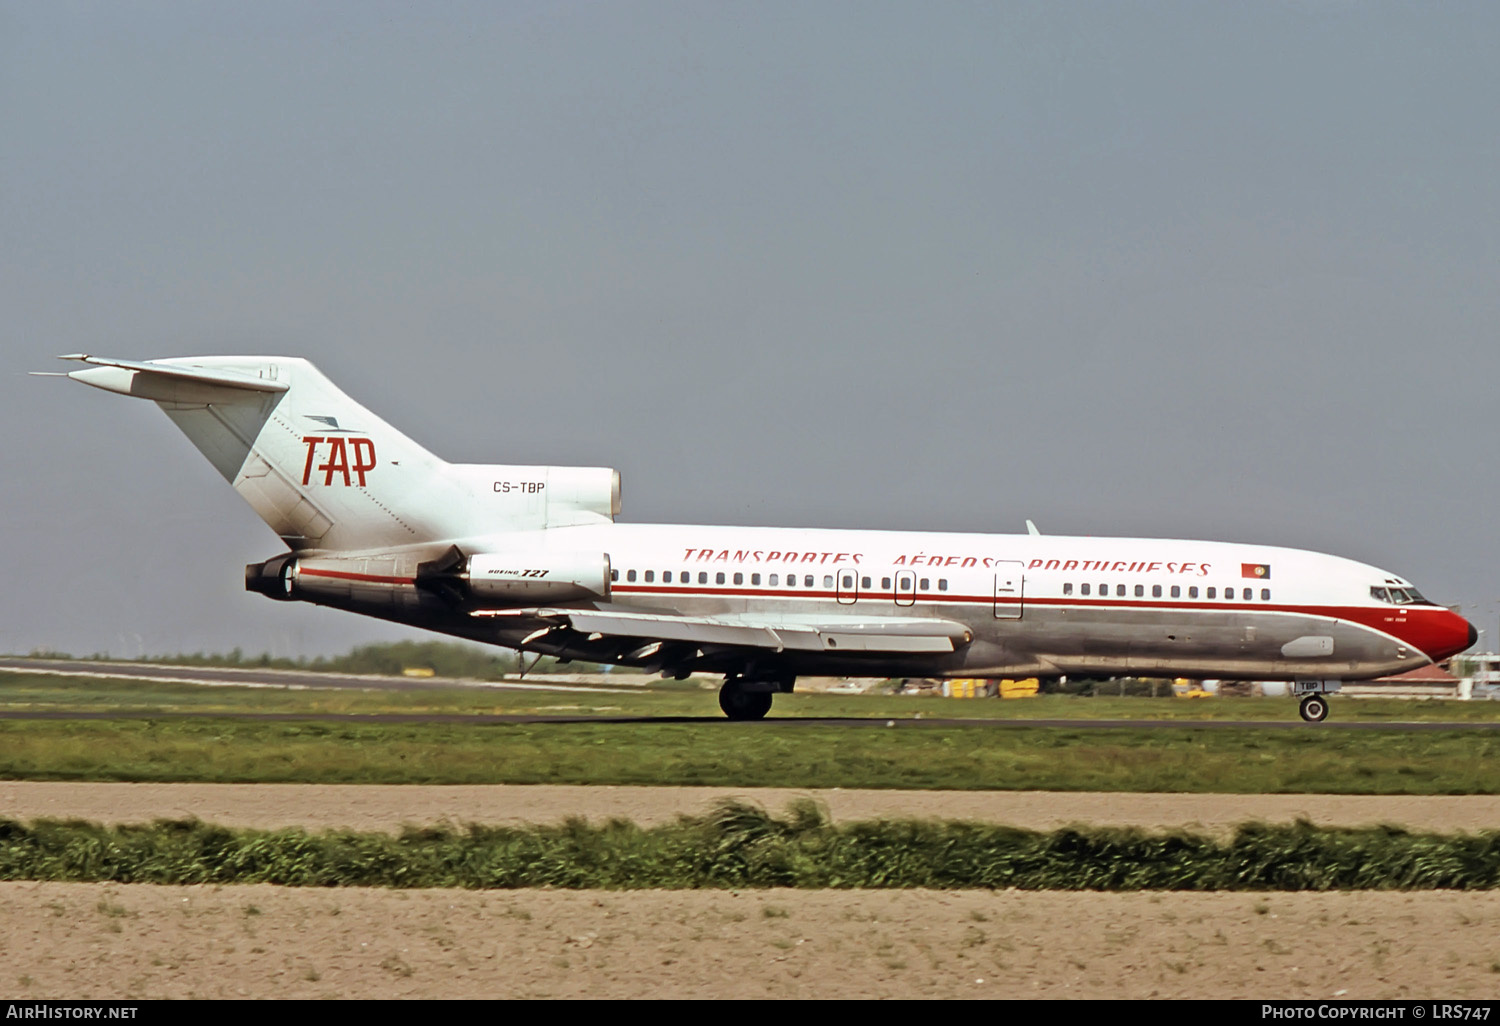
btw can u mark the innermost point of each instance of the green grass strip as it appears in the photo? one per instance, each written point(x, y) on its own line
point(742, 846)
point(767, 754)
point(24, 691)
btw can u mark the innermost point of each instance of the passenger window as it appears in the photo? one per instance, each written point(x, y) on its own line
point(775, 580)
point(791, 580)
point(828, 580)
point(739, 578)
point(864, 582)
point(1177, 591)
point(1211, 593)
point(885, 582)
point(1228, 594)
point(1156, 591)
point(848, 581)
point(1140, 591)
point(755, 578)
point(923, 584)
point(1103, 590)
point(650, 576)
point(666, 577)
point(719, 577)
point(1068, 587)
point(1084, 590)
point(614, 575)
point(1265, 594)
point(630, 575)
point(702, 577)
point(1247, 594)
point(807, 580)
point(1193, 592)
point(1120, 590)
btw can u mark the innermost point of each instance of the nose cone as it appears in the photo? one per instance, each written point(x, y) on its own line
point(1445, 634)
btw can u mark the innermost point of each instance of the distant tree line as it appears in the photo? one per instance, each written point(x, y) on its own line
point(443, 658)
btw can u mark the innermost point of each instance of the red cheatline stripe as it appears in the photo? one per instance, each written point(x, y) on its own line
point(1366, 615)
point(1369, 616)
point(345, 575)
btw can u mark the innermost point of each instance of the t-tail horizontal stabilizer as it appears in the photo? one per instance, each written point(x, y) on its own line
point(162, 381)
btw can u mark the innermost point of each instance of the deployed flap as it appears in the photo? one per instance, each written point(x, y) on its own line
point(823, 634)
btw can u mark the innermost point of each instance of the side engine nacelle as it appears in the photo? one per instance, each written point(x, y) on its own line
point(522, 578)
point(381, 578)
point(273, 578)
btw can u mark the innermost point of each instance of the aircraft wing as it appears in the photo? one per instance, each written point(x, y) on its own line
point(774, 633)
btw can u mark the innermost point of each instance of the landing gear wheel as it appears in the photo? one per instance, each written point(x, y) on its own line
point(1314, 709)
point(739, 704)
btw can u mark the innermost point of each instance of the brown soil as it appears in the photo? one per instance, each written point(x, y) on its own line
point(111, 941)
point(388, 807)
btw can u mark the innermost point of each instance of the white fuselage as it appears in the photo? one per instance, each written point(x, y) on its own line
point(531, 557)
point(1050, 604)
point(1047, 605)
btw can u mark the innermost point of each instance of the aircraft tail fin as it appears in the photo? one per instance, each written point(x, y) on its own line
point(321, 470)
point(327, 474)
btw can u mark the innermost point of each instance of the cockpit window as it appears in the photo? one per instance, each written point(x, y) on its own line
point(1399, 596)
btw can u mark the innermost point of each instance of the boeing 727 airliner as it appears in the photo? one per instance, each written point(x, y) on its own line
point(531, 558)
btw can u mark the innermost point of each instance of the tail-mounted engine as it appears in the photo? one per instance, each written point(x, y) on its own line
point(272, 578)
point(382, 579)
point(526, 577)
point(521, 578)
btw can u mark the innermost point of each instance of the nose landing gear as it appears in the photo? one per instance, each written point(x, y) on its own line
point(1314, 709)
point(1315, 694)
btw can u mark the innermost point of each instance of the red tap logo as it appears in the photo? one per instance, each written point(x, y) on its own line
point(345, 457)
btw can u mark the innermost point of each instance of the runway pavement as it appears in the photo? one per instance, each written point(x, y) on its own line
point(269, 678)
point(255, 677)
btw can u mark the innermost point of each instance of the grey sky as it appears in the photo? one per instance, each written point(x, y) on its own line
point(1181, 270)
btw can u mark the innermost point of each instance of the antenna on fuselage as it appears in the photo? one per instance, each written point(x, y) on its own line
point(1031, 529)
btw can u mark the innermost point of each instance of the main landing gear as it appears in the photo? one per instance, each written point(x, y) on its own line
point(747, 698)
point(1314, 708)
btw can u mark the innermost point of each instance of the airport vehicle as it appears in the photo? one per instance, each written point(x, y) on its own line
point(531, 558)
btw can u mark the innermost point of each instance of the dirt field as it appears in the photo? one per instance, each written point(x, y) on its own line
point(378, 807)
point(82, 940)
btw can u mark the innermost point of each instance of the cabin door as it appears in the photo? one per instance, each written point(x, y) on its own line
point(848, 587)
point(906, 587)
point(1010, 590)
